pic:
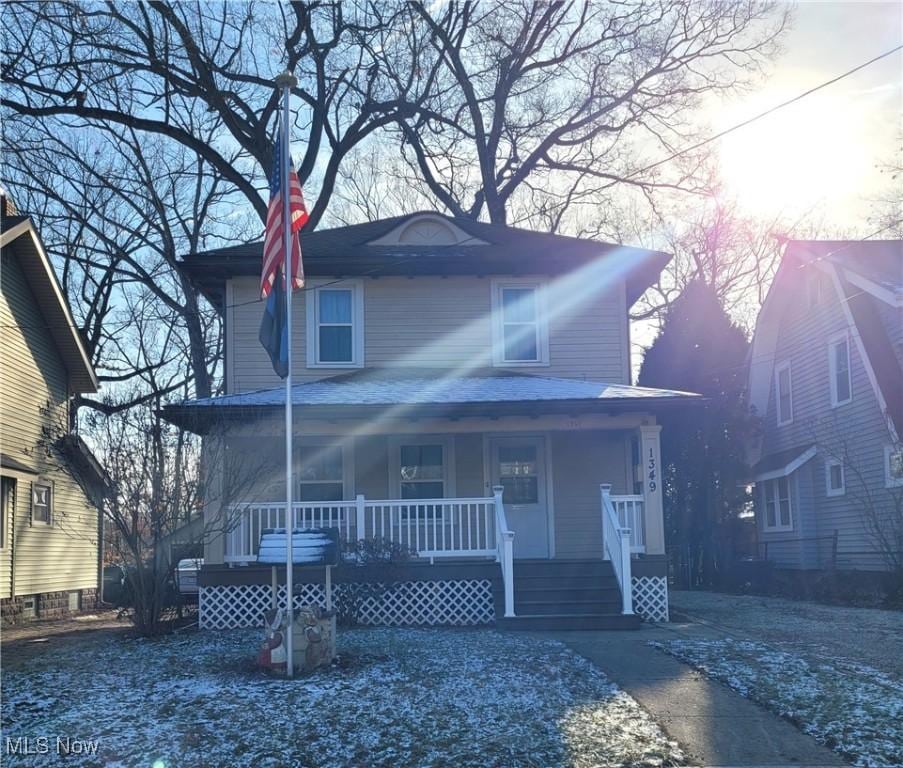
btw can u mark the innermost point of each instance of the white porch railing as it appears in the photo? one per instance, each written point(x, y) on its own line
point(616, 547)
point(630, 512)
point(465, 527)
point(505, 544)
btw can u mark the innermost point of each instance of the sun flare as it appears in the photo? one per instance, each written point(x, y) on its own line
point(802, 158)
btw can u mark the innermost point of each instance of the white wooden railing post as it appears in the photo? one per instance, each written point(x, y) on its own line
point(505, 546)
point(604, 491)
point(616, 547)
point(360, 521)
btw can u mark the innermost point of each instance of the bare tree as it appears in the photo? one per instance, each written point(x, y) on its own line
point(173, 70)
point(880, 506)
point(537, 107)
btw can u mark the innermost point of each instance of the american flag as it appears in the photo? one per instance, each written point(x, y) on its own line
point(274, 239)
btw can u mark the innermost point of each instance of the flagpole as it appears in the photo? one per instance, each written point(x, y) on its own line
point(286, 81)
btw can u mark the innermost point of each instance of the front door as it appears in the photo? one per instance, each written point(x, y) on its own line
point(519, 466)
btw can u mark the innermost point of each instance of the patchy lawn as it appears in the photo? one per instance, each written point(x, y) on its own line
point(397, 698)
point(833, 671)
point(871, 636)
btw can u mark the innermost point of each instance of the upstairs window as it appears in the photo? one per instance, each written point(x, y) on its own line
point(816, 288)
point(335, 326)
point(783, 393)
point(839, 367)
point(520, 333)
point(41, 503)
point(893, 466)
point(778, 508)
point(835, 481)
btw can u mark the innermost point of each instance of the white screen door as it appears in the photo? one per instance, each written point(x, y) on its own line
point(519, 466)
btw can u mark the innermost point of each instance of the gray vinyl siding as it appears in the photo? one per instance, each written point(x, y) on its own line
point(581, 461)
point(892, 317)
point(855, 430)
point(435, 323)
point(35, 397)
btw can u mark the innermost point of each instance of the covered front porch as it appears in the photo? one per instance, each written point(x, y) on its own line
point(511, 485)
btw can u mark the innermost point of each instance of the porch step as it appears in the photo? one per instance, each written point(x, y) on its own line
point(531, 607)
point(578, 592)
point(564, 594)
point(569, 622)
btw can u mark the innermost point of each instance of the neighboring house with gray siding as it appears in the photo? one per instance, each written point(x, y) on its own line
point(826, 376)
point(50, 533)
point(462, 389)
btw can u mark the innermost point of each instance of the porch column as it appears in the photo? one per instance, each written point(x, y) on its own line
point(651, 462)
point(214, 517)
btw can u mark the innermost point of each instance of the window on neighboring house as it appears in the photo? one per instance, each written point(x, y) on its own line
point(335, 326)
point(7, 507)
point(893, 465)
point(839, 366)
point(41, 503)
point(320, 473)
point(783, 394)
point(835, 481)
point(815, 286)
point(778, 511)
point(520, 331)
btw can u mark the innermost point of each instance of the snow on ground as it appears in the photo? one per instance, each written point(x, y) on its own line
point(871, 636)
point(397, 698)
point(855, 710)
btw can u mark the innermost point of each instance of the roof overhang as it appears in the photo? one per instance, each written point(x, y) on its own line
point(783, 464)
point(25, 242)
point(374, 250)
point(8, 462)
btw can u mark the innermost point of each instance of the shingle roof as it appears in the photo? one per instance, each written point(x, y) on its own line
point(507, 250)
point(880, 261)
point(367, 392)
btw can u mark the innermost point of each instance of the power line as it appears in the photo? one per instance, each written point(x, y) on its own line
point(767, 112)
point(669, 158)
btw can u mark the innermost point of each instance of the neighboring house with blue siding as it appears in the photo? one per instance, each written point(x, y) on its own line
point(826, 377)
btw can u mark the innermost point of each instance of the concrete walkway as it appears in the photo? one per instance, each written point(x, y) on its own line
point(713, 724)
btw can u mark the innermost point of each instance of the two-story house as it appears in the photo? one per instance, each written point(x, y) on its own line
point(50, 527)
point(460, 388)
point(826, 376)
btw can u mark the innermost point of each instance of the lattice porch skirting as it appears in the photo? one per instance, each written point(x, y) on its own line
point(459, 603)
point(650, 597)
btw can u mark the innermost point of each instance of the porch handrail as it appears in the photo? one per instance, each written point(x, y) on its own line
point(616, 547)
point(504, 538)
point(434, 528)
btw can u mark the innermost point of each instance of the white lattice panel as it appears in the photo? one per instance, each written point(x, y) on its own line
point(431, 603)
point(650, 597)
point(410, 603)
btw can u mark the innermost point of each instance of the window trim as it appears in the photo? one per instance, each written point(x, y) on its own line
point(778, 370)
point(312, 328)
point(777, 527)
point(448, 464)
point(48, 484)
point(834, 492)
point(347, 469)
point(814, 285)
point(833, 341)
point(890, 482)
point(7, 508)
point(498, 325)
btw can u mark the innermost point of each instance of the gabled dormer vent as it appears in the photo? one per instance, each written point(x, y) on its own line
point(427, 230)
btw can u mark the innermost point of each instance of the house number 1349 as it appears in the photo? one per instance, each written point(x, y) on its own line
point(651, 472)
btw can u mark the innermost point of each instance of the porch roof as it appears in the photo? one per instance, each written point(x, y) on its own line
point(437, 393)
